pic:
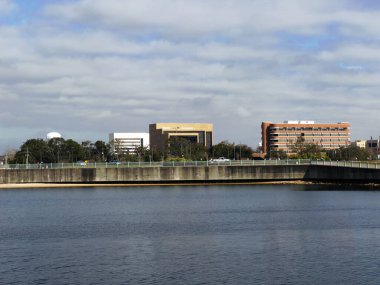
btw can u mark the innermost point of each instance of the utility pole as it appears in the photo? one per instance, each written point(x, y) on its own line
point(27, 156)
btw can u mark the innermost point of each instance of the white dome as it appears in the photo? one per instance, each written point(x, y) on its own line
point(53, 135)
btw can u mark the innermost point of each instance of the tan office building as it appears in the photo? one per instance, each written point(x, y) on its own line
point(283, 136)
point(160, 133)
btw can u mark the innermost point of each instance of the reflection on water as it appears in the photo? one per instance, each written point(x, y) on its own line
point(190, 235)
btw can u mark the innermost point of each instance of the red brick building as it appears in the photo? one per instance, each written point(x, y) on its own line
point(282, 136)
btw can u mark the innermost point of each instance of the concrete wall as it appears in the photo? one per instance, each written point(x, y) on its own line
point(191, 174)
point(155, 174)
point(342, 174)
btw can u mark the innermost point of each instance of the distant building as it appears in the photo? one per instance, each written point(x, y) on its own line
point(373, 146)
point(360, 143)
point(200, 133)
point(128, 142)
point(282, 136)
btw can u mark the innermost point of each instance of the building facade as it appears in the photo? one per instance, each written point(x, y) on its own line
point(359, 143)
point(160, 133)
point(283, 136)
point(373, 146)
point(128, 142)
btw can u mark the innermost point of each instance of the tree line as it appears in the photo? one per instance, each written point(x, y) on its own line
point(59, 150)
point(306, 150)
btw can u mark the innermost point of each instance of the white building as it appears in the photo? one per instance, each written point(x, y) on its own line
point(128, 142)
point(359, 143)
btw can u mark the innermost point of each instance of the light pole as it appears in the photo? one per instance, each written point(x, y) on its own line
point(27, 156)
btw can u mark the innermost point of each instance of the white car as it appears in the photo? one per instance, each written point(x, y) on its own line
point(219, 160)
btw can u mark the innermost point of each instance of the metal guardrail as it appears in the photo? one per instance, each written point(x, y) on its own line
point(352, 164)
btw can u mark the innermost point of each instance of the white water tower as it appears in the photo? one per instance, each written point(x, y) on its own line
point(53, 135)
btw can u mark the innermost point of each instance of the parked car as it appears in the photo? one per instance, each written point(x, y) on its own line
point(219, 160)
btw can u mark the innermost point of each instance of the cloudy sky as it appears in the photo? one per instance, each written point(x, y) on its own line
point(85, 68)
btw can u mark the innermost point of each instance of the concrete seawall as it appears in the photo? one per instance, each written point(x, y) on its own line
point(196, 174)
point(154, 174)
point(342, 174)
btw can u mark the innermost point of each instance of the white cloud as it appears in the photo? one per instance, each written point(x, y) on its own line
point(120, 65)
point(6, 7)
point(229, 18)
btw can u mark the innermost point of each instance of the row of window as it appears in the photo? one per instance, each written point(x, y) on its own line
point(323, 145)
point(310, 135)
point(306, 129)
point(310, 141)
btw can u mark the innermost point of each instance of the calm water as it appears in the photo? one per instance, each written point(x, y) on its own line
point(190, 235)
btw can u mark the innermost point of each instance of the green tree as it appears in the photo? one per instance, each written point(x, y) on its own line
point(231, 151)
point(305, 150)
point(185, 149)
point(103, 151)
point(349, 153)
point(177, 147)
point(33, 151)
point(242, 151)
point(145, 154)
point(72, 151)
point(197, 152)
point(278, 154)
point(56, 147)
point(223, 149)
